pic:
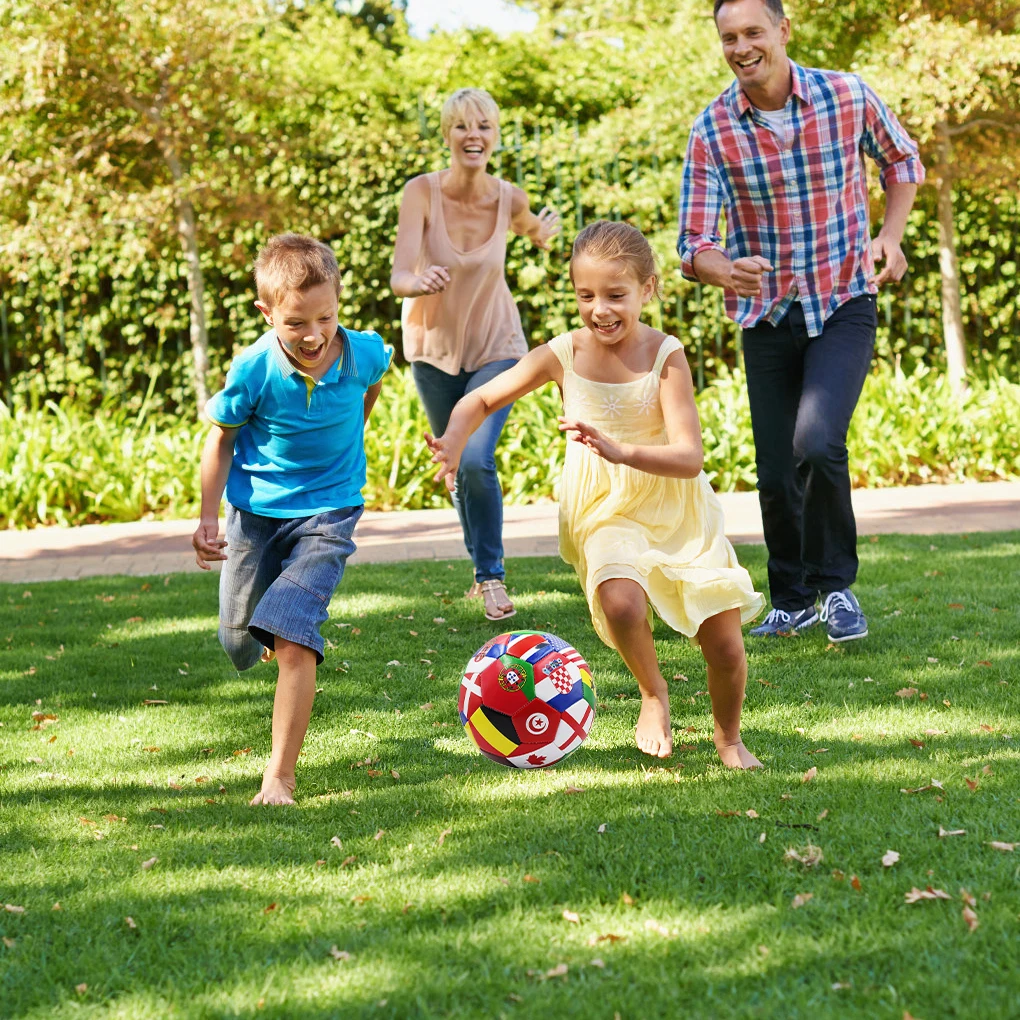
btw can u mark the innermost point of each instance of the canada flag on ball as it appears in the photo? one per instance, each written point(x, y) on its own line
point(527, 699)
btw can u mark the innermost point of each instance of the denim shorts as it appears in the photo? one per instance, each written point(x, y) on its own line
point(278, 578)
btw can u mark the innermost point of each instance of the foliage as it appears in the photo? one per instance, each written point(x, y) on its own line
point(596, 107)
point(62, 465)
point(675, 894)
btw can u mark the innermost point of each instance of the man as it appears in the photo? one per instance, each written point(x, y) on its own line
point(781, 153)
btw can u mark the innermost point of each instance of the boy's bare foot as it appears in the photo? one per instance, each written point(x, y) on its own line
point(267, 655)
point(275, 790)
point(653, 735)
point(735, 756)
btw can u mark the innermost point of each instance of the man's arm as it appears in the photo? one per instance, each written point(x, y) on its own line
point(702, 256)
point(899, 199)
point(217, 454)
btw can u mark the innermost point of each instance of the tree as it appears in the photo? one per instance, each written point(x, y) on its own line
point(955, 78)
point(149, 105)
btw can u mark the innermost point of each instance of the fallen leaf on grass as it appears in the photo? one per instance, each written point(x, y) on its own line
point(269, 909)
point(336, 842)
point(379, 835)
point(155, 701)
point(982, 662)
point(574, 789)
point(443, 835)
point(934, 733)
point(916, 895)
point(890, 858)
point(800, 899)
point(9, 943)
point(363, 898)
point(809, 856)
point(764, 683)
point(609, 936)
point(560, 970)
point(935, 784)
point(658, 928)
point(130, 922)
point(627, 899)
point(751, 813)
point(597, 962)
point(1005, 847)
point(13, 909)
point(147, 865)
point(531, 878)
point(906, 692)
point(321, 863)
point(427, 707)
point(82, 988)
point(972, 784)
point(823, 814)
point(809, 775)
point(601, 828)
point(951, 832)
point(340, 955)
point(347, 860)
point(855, 883)
point(970, 917)
point(569, 915)
point(818, 750)
point(917, 743)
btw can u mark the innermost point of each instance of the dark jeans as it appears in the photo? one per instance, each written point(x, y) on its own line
point(803, 391)
point(477, 495)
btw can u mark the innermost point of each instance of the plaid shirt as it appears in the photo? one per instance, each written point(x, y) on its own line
point(802, 204)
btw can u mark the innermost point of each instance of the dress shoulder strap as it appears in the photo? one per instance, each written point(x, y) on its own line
point(563, 347)
point(669, 345)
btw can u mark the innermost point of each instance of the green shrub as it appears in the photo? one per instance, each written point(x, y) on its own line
point(60, 465)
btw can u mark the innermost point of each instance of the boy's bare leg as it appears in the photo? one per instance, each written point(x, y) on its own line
point(292, 709)
point(722, 644)
point(626, 608)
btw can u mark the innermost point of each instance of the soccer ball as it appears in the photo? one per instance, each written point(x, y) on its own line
point(527, 699)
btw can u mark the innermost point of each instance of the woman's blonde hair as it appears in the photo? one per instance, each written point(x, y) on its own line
point(606, 241)
point(464, 101)
point(294, 262)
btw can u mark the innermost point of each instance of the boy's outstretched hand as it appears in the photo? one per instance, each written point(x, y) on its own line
point(608, 449)
point(447, 459)
point(207, 546)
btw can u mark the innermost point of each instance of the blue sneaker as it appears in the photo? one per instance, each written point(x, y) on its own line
point(779, 623)
point(842, 615)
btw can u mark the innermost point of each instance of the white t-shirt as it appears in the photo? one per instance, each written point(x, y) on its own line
point(781, 123)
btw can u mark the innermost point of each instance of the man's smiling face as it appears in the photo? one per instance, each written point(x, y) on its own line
point(754, 46)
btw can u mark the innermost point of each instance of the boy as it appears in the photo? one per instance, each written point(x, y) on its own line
point(287, 440)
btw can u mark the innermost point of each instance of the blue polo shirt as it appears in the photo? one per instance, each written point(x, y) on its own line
point(299, 448)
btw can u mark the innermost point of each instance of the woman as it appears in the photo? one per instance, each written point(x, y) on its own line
point(460, 323)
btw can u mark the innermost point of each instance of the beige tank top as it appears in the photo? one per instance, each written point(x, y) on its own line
point(475, 320)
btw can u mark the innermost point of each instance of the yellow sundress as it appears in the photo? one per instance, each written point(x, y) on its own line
point(667, 534)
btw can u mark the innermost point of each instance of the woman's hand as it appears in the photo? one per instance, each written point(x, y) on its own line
point(546, 227)
point(608, 449)
point(432, 281)
point(447, 456)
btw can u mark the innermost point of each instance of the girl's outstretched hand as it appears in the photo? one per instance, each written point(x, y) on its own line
point(446, 457)
point(608, 449)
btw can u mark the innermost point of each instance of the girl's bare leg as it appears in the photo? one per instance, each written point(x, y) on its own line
point(626, 608)
point(292, 709)
point(722, 644)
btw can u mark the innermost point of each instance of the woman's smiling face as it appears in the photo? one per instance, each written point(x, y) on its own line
point(472, 138)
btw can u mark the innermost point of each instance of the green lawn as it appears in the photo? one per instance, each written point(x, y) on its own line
point(680, 894)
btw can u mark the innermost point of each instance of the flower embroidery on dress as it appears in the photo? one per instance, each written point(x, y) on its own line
point(611, 407)
point(649, 401)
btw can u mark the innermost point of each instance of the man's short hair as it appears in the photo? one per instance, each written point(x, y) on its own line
point(775, 9)
point(294, 262)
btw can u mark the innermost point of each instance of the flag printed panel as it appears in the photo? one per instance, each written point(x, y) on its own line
point(527, 699)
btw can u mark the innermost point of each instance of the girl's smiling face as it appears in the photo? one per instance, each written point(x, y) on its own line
point(609, 297)
point(306, 323)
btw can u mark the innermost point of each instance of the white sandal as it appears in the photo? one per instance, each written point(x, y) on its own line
point(493, 593)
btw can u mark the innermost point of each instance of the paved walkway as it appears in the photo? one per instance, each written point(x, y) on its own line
point(161, 547)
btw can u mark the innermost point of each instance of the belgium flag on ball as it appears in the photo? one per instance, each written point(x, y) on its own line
point(527, 699)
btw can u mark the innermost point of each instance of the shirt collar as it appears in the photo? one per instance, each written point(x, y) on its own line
point(801, 89)
point(288, 368)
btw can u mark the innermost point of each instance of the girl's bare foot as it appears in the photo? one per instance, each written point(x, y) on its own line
point(275, 790)
point(735, 756)
point(653, 735)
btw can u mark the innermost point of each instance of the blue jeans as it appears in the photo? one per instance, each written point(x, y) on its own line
point(803, 391)
point(278, 578)
point(477, 496)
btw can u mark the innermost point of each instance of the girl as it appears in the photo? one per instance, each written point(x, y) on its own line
point(638, 519)
point(460, 323)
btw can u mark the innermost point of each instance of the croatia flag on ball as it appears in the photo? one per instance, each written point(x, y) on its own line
point(527, 699)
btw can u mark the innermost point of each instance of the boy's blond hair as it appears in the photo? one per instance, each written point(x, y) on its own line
point(294, 262)
point(464, 101)
point(609, 241)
